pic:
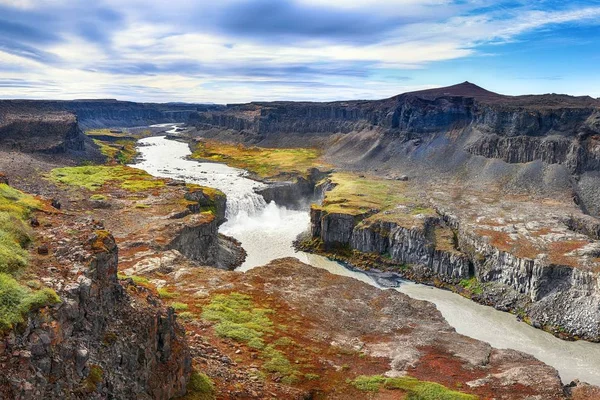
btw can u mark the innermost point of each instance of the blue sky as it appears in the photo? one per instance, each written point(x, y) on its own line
point(242, 50)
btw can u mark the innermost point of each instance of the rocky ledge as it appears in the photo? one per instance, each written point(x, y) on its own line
point(46, 132)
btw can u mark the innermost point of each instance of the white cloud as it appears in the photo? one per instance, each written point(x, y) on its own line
point(223, 60)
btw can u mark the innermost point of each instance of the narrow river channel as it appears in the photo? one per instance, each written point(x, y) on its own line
point(267, 231)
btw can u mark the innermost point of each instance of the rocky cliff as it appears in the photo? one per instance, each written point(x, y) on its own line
point(443, 249)
point(106, 339)
point(110, 113)
point(47, 132)
point(555, 129)
point(196, 234)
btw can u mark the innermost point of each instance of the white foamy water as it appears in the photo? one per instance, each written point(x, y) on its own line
point(267, 231)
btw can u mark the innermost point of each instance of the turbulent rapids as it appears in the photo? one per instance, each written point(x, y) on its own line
point(266, 231)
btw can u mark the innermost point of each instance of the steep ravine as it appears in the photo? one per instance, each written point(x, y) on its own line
point(268, 234)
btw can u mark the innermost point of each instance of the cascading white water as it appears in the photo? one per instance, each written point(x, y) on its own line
point(267, 231)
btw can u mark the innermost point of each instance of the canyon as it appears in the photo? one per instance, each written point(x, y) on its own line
point(491, 196)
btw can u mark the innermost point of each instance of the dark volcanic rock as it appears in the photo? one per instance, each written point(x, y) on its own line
point(109, 113)
point(52, 132)
point(555, 129)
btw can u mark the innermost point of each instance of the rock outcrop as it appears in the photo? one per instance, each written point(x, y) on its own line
point(109, 113)
point(51, 132)
point(559, 298)
point(196, 231)
point(105, 340)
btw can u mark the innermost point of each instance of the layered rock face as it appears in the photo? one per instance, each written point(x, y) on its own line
point(561, 298)
point(105, 340)
point(555, 129)
point(51, 132)
point(110, 113)
point(401, 245)
point(198, 236)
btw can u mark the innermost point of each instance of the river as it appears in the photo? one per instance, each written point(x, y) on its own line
point(266, 231)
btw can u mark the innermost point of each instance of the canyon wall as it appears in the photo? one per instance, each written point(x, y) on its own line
point(561, 299)
point(109, 113)
point(555, 129)
point(50, 132)
point(195, 234)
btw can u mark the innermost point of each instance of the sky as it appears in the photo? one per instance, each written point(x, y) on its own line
point(230, 51)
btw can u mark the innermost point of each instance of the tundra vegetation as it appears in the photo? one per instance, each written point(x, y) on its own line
point(374, 198)
point(16, 298)
point(264, 162)
point(415, 388)
point(94, 177)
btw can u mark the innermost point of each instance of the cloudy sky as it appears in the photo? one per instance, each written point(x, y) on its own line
point(240, 50)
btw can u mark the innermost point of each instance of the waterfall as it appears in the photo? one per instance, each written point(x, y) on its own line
point(248, 204)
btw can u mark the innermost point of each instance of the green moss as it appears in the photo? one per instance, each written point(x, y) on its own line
point(13, 257)
point(472, 285)
point(179, 306)
point(94, 378)
point(165, 294)
point(186, 316)
point(97, 197)
point(237, 318)
point(15, 236)
point(277, 362)
point(17, 300)
point(200, 387)
point(138, 280)
point(16, 202)
point(369, 383)
point(416, 389)
point(94, 177)
point(311, 377)
point(265, 162)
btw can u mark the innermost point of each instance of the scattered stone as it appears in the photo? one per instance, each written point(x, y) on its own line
point(43, 250)
point(56, 204)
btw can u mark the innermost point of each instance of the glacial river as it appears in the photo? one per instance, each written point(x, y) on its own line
point(267, 231)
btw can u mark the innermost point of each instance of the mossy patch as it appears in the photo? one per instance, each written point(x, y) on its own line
point(164, 293)
point(177, 306)
point(472, 285)
point(371, 199)
point(93, 177)
point(238, 318)
point(17, 300)
point(265, 162)
point(138, 280)
point(94, 378)
point(16, 202)
point(415, 389)
point(200, 387)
